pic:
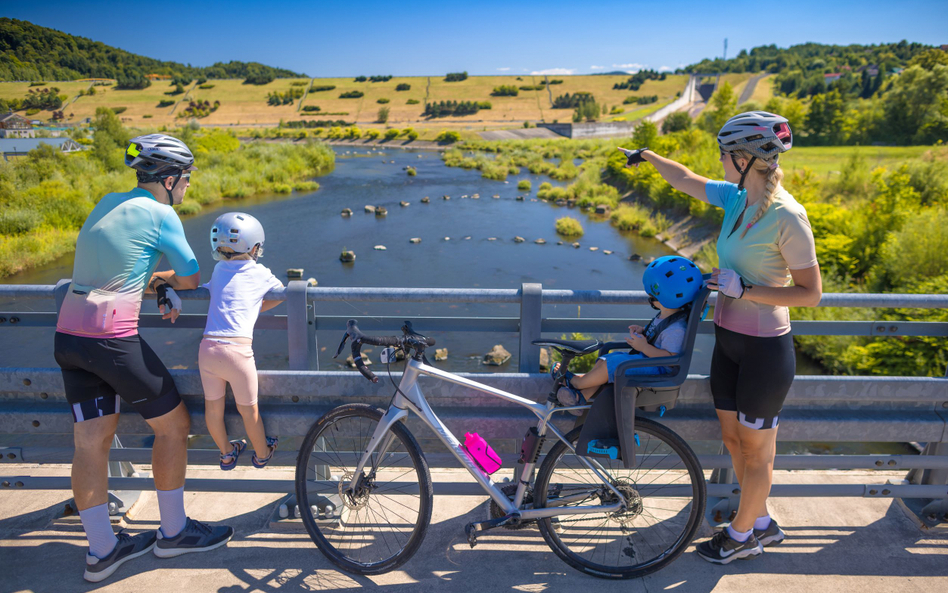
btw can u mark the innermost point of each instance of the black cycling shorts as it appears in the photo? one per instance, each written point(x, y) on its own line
point(96, 371)
point(751, 375)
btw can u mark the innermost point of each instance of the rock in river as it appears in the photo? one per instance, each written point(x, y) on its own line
point(497, 356)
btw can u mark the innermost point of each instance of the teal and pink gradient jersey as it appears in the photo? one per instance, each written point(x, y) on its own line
point(780, 241)
point(117, 251)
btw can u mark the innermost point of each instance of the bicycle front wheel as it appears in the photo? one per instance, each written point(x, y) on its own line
point(665, 497)
point(379, 525)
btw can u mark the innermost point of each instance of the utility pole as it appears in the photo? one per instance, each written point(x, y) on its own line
point(725, 48)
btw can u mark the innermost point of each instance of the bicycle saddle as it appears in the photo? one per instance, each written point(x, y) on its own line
point(574, 346)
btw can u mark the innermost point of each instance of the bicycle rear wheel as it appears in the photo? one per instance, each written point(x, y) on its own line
point(380, 525)
point(665, 500)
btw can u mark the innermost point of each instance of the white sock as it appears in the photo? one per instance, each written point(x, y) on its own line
point(171, 509)
point(102, 539)
point(739, 536)
point(762, 523)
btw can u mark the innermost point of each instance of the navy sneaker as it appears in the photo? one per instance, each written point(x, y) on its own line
point(195, 537)
point(723, 549)
point(128, 547)
point(771, 536)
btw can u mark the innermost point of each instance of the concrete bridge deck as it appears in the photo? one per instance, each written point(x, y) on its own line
point(833, 544)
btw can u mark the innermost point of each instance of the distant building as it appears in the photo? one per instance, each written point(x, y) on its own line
point(158, 76)
point(19, 147)
point(15, 126)
point(833, 77)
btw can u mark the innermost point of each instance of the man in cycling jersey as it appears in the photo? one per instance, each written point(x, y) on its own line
point(103, 358)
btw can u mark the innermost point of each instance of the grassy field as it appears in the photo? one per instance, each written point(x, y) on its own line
point(247, 104)
point(764, 90)
point(827, 161)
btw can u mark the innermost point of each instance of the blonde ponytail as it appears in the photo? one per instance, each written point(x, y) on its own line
point(774, 178)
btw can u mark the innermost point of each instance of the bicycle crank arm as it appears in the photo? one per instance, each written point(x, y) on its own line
point(471, 529)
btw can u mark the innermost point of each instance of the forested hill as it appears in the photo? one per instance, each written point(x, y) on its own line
point(811, 69)
point(31, 52)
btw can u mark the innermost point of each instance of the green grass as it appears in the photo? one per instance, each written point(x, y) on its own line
point(827, 161)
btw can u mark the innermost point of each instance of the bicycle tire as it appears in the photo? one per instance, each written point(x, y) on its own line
point(655, 440)
point(331, 536)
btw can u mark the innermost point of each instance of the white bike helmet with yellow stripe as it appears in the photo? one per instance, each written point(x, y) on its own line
point(155, 157)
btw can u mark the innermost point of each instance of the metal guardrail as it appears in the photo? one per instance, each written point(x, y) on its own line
point(818, 408)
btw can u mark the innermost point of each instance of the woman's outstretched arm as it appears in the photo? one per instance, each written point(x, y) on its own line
point(678, 176)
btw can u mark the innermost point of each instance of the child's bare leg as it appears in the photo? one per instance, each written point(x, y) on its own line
point(254, 425)
point(214, 418)
point(598, 375)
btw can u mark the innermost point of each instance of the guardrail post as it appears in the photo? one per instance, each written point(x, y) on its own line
point(297, 326)
point(121, 501)
point(59, 293)
point(721, 510)
point(531, 309)
point(937, 509)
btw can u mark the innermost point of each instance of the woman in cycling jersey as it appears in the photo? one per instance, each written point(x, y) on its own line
point(765, 242)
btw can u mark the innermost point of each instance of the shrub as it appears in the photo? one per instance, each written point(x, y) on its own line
point(484, 105)
point(147, 116)
point(448, 136)
point(452, 108)
point(382, 101)
point(385, 78)
point(573, 101)
point(33, 111)
point(372, 134)
point(403, 87)
point(646, 100)
point(118, 110)
point(311, 108)
point(360, 79)
point(524, 185)
point(412, 172)
point(676, 122)
point(321, 88)
point(351, 95)
point(413, 135)
point(299, 83)
point(569, 227)
point(538, 87)
point(383, 115)
point(455, 76)
point(556, 81)
point(505, 90)
point(205, 86)
point(412, 102)
point(392, 134)
point(166, 102)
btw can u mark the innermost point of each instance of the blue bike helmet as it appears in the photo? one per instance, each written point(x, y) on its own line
point(673, 280)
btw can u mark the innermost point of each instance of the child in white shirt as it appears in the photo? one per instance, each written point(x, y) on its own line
point(238, 286)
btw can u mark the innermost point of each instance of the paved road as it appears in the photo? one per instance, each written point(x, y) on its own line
point(748, 91)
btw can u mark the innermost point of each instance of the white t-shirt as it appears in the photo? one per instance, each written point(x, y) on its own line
point(237, 290)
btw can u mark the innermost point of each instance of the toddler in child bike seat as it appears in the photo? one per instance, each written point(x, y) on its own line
point(238, 286)
point(672, 282)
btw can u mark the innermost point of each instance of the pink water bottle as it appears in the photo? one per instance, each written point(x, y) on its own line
point(481, 453)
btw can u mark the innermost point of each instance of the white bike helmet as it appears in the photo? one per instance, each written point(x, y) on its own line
point(156, 157)
point(762, 134)
point(159, 155)
point(239, 231)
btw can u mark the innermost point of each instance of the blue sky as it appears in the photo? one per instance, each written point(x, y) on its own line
point(484, 37)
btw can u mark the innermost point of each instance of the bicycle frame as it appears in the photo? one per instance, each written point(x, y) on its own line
point(409, 398)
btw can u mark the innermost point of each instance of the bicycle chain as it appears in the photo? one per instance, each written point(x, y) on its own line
point(510, 490)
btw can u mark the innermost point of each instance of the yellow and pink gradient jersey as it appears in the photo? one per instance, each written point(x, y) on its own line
point(780, 241)
point(117, 251)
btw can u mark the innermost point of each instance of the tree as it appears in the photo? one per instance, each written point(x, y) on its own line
point(676, 122)
point(916, 105)
point(109, 138)
point(722, 107)
point(825, 121)
point(929, 59)
point(383, 115)
point(645, 134)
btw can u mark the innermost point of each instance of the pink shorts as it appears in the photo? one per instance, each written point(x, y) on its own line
point(224, 362)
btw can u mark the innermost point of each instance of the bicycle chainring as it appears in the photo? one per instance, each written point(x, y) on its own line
point(510, 490)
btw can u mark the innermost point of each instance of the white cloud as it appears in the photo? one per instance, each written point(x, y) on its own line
point(553, 71)
point(597, 67)
point(630, 67)
point(664, 69)
point(504, 69)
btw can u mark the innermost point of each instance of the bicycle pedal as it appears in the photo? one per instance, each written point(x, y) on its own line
point(471, 532)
